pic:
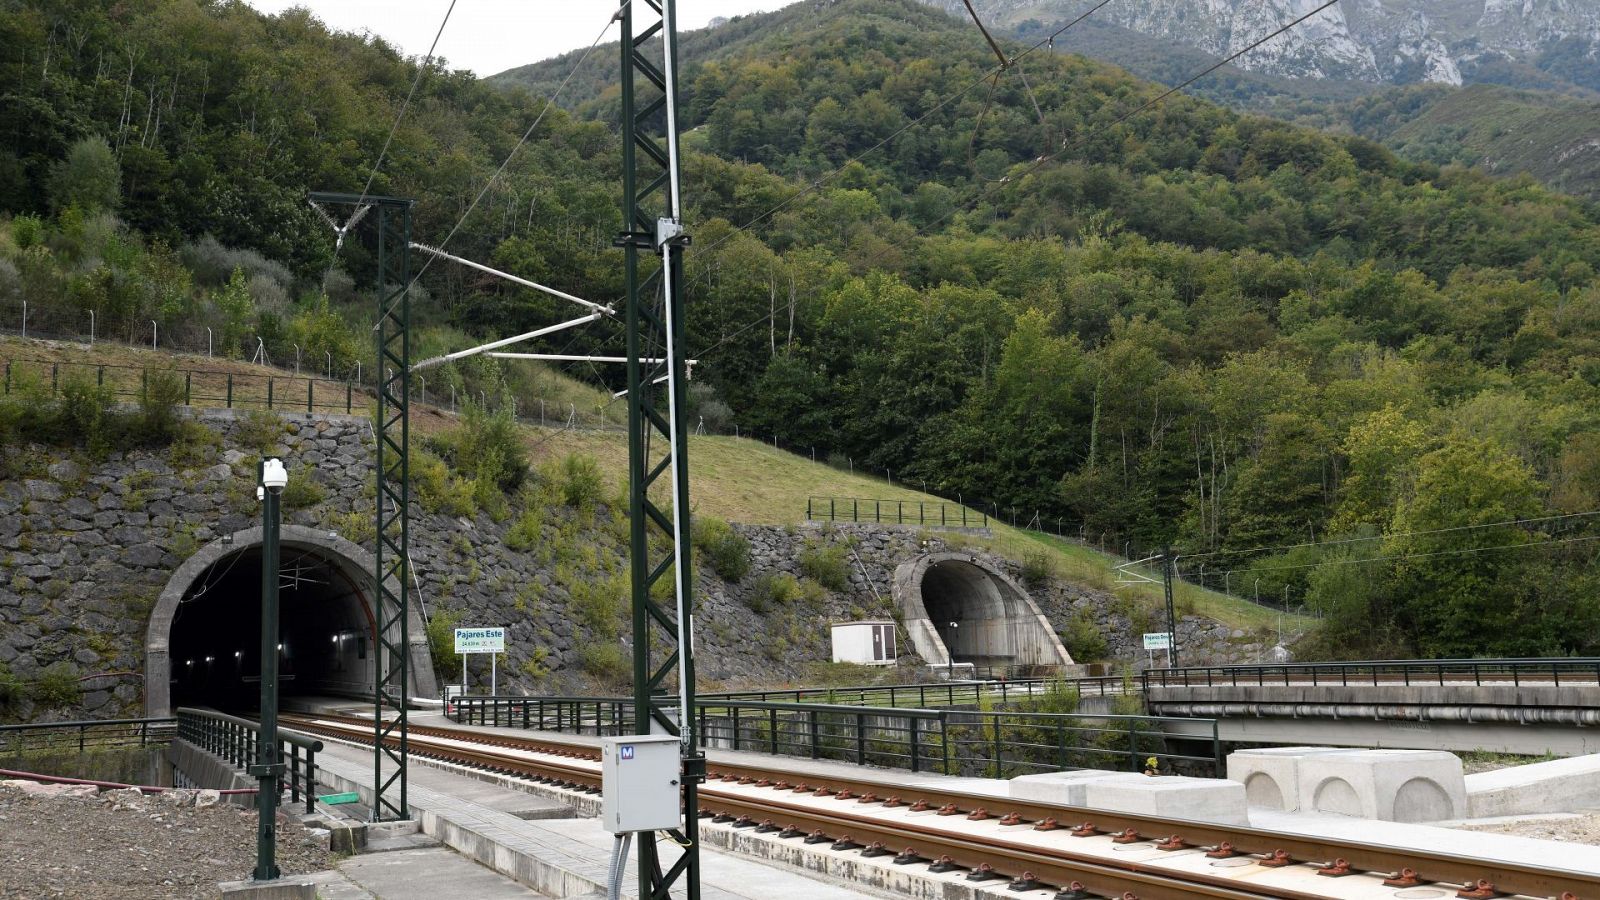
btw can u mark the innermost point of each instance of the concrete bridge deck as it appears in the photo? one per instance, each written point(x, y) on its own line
point(1512, 706)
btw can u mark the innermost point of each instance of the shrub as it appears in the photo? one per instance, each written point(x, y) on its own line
point(442, 640)
point(1037, 568)
point(524, 533)
point(599, 603)
point(538, 665)
point(10, 689)
point(723, 549)
point(159, 398)
point(605, 661)
point(303, 489)
point(581, 483)
point(84, 410)
point(774, 590)
point(437, 490)
point(57, 686)
point(1083, 639)
point(214, 264)
point(27, 231)
point(259, 430)
point(827, 565)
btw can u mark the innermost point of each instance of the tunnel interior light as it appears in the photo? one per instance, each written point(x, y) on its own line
point(238, 653)
point(280, 648)
point(188, 662)
point(209, 659)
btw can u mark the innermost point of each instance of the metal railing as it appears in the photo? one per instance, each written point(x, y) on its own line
point(235, 740)
point(933, 513)
point(995, 744)
point(201, 387)
point(938, 693)
point(1570, 670)
point(98, 734)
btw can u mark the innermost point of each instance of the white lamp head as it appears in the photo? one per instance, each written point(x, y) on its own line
point(274, 476)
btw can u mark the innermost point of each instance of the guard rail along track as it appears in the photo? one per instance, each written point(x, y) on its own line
point(834, 810)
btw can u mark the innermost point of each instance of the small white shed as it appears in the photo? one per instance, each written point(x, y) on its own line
point(864, 643)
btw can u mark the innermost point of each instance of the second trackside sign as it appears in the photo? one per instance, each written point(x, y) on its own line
point(480, 640)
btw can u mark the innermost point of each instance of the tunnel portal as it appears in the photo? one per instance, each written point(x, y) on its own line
point(205, 632)
point(960, 609)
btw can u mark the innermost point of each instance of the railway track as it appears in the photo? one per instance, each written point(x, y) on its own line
point(1081, 853)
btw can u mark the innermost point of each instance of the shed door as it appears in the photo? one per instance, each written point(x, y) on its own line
point(883, 643)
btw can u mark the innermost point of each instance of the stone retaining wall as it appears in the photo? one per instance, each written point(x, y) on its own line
point(87, 545)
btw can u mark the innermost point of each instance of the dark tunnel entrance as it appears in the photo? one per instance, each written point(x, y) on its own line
point(325, 632)
point(203, 643)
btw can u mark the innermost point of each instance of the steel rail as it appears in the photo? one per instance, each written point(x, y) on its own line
point(981, 853)
point(1006, 859)
point(1398, 864)
point(1405, 867)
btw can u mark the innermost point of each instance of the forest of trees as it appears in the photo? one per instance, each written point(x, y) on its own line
point(1193, 327)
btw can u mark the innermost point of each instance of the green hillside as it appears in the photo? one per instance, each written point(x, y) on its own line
point(1553, 137)
point(1163, 323)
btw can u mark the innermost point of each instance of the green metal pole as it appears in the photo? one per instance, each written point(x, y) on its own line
point(268, 768)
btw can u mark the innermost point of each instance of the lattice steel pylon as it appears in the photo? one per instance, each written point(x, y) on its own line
point(663, 639)
point(392, 558)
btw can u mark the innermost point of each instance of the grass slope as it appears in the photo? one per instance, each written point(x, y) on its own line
point(742, 480)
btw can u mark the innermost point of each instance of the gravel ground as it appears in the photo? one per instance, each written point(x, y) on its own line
point(118, 845)
point(1582, 829)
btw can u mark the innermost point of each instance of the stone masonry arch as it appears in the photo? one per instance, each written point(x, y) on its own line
point(351, 564)
point(960, 608)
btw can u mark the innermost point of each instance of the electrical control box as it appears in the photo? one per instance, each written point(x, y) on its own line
point(640, 783)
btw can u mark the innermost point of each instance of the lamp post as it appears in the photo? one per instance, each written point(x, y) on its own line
point(268, 767)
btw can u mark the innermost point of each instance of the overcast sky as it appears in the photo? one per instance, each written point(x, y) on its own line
point(489, 36)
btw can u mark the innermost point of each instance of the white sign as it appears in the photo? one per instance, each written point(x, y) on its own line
point(1157, 640)
point(480, 640)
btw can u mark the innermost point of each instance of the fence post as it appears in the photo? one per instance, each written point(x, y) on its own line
point(100, 376)
point(772, 726)
point(997, 751)
point(861, 740)
point(348, 396)
point(734, 710)
point(916, 746)
point(230, 390)
point(269, 392)
point(311, 385)
point(55, 371)
point(944, 739)
point(188, 388)
point(808, 509)
point(8, 376)
point(1133, 746)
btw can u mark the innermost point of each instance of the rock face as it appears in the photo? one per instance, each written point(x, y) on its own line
point(87, 545)
point(1388, 41)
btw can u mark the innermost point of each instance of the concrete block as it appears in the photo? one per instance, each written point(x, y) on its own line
point(1390, 785)
point(1561, 785)
point(1271, 776)
point(297, 887)
point(1173, 796)
point(1064, 788)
